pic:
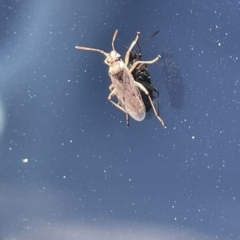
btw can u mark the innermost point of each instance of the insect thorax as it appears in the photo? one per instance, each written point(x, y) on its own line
point(116, 70)
point(119, 76)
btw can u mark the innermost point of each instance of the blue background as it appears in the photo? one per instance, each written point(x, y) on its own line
point(88, 176)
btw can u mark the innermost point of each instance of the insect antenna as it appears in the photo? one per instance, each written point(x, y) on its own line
point(92, 49)
point(113, 39)
point(139, 46)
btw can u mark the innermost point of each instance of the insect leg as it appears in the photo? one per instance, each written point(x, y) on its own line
point(157, 99)
point(121, 108)
point(139, 85)
point(118, 105)
point(111, 87)
point(130, 49)
point(127, 119)
point(143, 62)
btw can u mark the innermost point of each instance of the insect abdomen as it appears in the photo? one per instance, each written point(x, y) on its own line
point(135, 108)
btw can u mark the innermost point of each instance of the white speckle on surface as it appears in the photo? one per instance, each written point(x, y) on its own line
point(25, 160)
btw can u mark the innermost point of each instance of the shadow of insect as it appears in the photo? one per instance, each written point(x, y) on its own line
point(172, 79)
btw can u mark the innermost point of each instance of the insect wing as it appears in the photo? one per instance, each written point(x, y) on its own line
point(128, 94)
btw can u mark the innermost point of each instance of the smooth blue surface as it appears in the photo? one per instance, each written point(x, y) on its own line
point(69, 166)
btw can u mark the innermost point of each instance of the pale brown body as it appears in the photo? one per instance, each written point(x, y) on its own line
point(124, 88)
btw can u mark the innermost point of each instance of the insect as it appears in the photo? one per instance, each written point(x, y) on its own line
point(142, 75)
point(123, 85)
